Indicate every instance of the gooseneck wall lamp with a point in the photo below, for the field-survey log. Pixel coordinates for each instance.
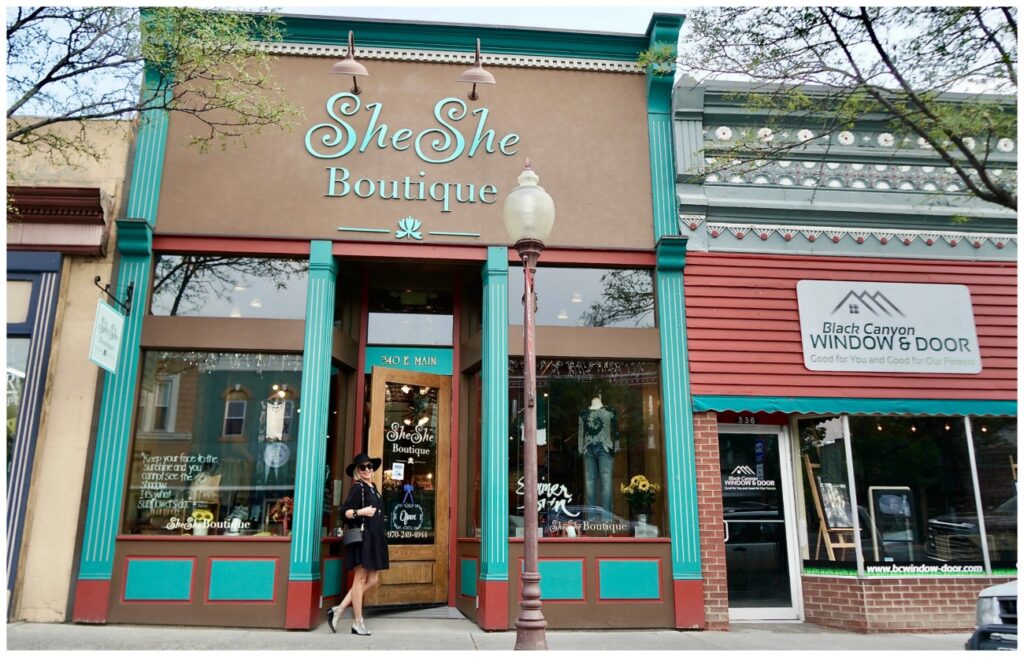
(529, 216)
(476, 74)
(349, 65)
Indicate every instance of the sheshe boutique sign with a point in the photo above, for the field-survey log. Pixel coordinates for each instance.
(457, 133)
(856, 326)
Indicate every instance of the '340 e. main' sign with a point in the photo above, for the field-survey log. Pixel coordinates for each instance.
(438, 144)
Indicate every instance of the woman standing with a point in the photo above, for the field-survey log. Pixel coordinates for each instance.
(363, 508)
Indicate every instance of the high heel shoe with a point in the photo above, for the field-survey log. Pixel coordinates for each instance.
(360, 629)
(330, 620)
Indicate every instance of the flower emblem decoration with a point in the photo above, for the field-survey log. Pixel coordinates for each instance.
(723, 133)
(409, 227)
(885, 140)
(846, 138)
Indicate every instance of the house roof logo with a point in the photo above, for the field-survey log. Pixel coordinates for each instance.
(876, 303)
(743, 470)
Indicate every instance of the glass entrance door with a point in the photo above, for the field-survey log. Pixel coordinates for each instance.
(409, 429)
(761, 562)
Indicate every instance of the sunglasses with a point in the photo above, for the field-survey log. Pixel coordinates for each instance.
(365, 466)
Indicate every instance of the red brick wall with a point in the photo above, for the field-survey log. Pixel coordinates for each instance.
(893, 605)
(709, 509)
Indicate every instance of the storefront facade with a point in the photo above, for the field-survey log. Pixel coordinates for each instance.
(347, 287)
(59, 225)
(852, 345)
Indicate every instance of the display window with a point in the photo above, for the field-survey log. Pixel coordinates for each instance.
(995, 451)
(17, 364)
(600, 456)
(198, 285)
(915, 493)
(621, 298)
(214, 451)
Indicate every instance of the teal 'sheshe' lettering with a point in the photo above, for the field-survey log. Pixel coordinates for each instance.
(435, 145)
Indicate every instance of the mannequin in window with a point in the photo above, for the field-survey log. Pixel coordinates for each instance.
(598, 433)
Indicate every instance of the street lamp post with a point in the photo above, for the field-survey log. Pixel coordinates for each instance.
(529, 215)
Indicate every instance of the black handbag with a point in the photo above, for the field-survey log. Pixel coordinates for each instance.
(353, 535)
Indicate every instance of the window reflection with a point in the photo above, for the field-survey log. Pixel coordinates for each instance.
(17, 360)
(214, 450)
(599, 449)
(586, 297)
(221, 286)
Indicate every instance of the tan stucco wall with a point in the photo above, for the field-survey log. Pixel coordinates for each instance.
(58, 474)
(584, 131)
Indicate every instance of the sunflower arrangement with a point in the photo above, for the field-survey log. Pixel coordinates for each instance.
(640, 492)
(282, 509)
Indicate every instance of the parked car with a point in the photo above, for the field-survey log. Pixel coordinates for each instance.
(957, 537)
(996, 619)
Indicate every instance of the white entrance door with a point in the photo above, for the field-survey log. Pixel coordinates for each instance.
(761, 547)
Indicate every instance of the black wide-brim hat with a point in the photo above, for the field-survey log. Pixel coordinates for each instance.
(359, 460)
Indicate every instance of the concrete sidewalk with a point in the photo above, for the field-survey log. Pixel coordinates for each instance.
(404, 633)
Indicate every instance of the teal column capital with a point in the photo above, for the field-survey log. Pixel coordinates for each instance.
(134, 237)
(311, 453)
(494, 417)
(321, 257)
(670, 253)
(663, 30)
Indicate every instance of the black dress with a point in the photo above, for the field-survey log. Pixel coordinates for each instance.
(372, 553)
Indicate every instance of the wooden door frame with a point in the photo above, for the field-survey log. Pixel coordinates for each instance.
(442, 544)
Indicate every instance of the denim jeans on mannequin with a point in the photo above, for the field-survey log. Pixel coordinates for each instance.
(597, 472)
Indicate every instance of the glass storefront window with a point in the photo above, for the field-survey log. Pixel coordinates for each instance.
(995, 452)
(828, 506)
(17, 361)
(410, 317)
(222, 286)
(586, 297)
(214, 447)
(600, 453)
(914, 492)
(914, 481)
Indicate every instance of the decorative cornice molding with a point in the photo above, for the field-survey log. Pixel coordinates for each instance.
(857, 235)
(452, 57)
(58, 205)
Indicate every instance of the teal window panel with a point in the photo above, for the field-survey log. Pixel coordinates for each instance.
(623, 579)
(467, 586)
(332, 577)
(561, 579)
(159, 579)
(244, 579)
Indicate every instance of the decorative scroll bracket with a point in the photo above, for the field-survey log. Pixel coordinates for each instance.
(127, 304)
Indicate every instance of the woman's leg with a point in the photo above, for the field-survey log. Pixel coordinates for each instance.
(358, 587)
(347, 600)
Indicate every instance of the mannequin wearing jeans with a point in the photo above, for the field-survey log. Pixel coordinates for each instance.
(598, 432)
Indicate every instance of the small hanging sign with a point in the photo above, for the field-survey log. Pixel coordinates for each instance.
(106, 337)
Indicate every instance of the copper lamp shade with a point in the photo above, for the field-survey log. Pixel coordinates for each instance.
(349, 66)
(476, 75)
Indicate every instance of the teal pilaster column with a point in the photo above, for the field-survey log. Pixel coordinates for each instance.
(677, 409)
(494, 418)
(663, 30)
(117, 406)
(311, 452)
(680, 458)
(113, 434)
